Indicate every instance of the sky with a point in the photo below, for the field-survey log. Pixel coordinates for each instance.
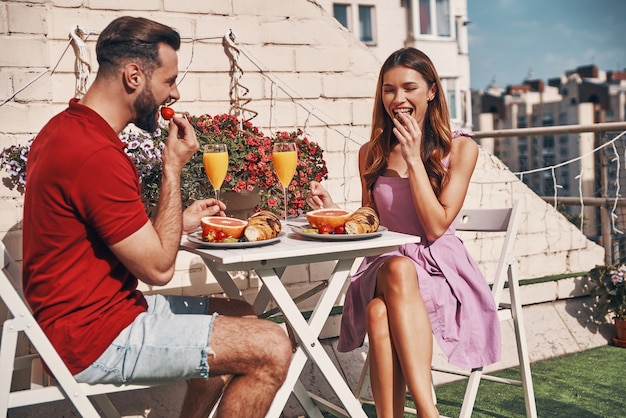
(510, 39)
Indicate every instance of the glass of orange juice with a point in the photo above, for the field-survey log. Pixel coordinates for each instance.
(285, 158)
(215, 159)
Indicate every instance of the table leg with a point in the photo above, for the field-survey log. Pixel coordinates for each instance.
(227, 284)
(308, 334)
(225, 281)
(263, 298)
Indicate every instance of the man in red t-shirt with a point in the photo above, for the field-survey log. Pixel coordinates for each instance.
(87, 242)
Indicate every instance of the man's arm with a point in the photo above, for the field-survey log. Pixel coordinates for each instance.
(150, 252)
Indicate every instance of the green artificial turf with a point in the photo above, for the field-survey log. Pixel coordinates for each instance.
(589, 384)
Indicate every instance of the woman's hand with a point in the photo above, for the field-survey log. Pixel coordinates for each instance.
(319, 197)
(199, 209)
(407, 131)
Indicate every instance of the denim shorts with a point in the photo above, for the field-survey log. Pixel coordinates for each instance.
(168, 342)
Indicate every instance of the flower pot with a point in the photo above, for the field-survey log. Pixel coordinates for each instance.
(240, 204)
(620, 333)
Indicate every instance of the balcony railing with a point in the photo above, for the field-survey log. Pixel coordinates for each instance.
(611, 238)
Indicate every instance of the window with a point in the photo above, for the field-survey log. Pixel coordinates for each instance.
(523, 165)
(366, 24)
(547, 119)
(534, 120)
(342, 13)
(450, 87)
(434, 17)
(347, 15)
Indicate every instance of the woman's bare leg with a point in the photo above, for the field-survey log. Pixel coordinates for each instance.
(385, 375)
(410, 329)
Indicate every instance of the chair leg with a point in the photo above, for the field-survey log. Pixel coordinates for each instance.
(364, 379)
(470, 393)
(104, 403)
(7, 358)
(522, 348)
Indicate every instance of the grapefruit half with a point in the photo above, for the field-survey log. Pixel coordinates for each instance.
(332, 217)
(232, 227)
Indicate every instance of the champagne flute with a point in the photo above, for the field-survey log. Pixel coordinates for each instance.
(285, 158)
(215, 159)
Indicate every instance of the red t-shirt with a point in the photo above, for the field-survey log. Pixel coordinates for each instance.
(82, 195)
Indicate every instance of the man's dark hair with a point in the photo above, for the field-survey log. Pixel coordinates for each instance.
(133, 38)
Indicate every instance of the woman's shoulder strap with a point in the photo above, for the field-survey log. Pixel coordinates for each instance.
(460, 132)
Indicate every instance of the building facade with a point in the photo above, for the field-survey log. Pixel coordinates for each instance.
(439, 28)
(583, 96)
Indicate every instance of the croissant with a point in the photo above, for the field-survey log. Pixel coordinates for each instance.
(363, 221)
(262, 225)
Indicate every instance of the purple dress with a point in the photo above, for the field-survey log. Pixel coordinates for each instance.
(462, 311)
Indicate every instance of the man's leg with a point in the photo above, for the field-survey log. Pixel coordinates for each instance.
(202, 394)
(257, 354)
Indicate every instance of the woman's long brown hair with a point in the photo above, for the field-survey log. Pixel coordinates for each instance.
(437, 135)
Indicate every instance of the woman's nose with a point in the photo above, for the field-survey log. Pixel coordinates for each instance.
(399, 97)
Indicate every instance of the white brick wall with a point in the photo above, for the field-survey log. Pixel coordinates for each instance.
(297, 46)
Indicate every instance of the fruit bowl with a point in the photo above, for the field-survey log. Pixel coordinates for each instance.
(332, 217)
(232, 227)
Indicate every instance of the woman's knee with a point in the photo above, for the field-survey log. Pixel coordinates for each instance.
(376, 316)
(398, 274)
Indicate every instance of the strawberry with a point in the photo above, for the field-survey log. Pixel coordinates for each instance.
(167, 113)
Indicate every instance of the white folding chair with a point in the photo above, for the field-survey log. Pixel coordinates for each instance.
(483, 221)
(42, 388)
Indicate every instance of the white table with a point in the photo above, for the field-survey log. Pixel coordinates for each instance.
(269, 262)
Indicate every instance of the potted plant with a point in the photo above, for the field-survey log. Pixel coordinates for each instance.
(610, 292)
(250, 172)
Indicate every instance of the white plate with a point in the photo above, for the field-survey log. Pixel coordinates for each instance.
(299, 229)
(196, 237)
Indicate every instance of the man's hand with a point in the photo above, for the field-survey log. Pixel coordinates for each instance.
(180, 146)
(199, 209)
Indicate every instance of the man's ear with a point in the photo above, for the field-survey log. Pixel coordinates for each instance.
(133, 76)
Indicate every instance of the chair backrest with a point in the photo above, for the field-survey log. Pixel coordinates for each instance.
(495, 220)
(64, 386)
(12, 268)
(22, 320)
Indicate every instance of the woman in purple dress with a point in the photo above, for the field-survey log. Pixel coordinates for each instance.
(415, 173)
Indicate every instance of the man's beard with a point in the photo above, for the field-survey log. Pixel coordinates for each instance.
(146, 109)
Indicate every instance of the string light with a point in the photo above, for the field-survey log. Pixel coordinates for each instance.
(617, 188)
(238, 92)
(579, 177)
(82, 67)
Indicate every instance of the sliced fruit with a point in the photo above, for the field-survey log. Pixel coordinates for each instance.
(216, 225)
(330, 217)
